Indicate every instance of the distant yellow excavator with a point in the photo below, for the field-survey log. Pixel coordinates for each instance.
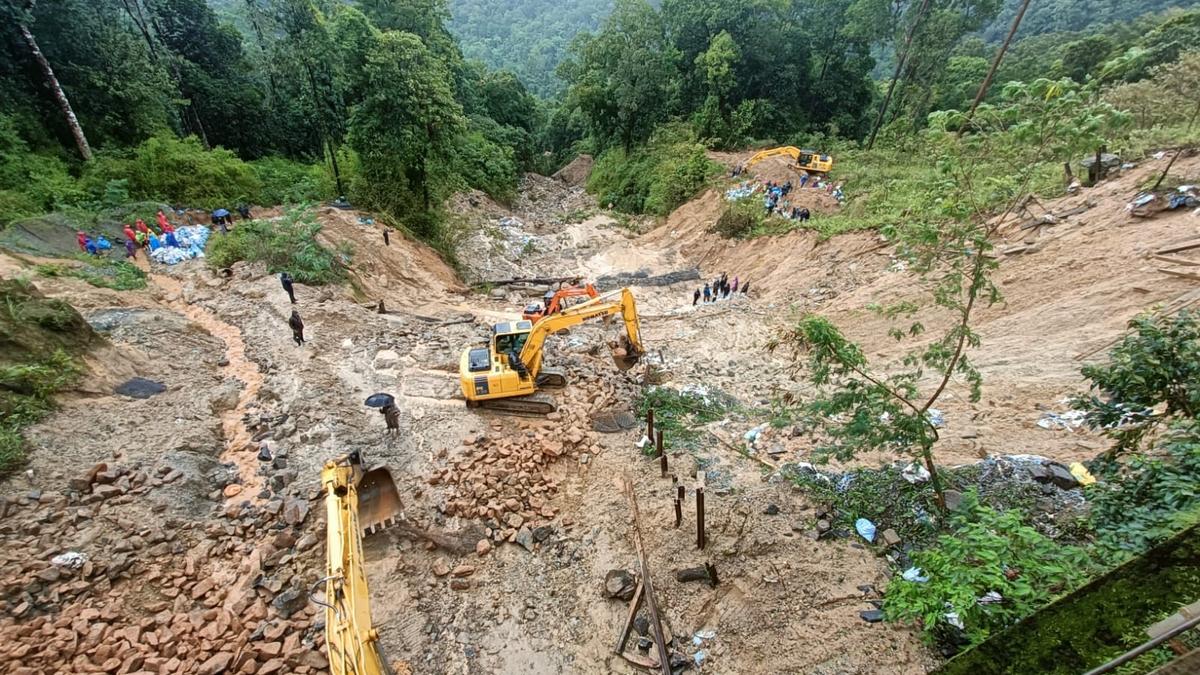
(506, 374)
(355, 503)
(808, 160)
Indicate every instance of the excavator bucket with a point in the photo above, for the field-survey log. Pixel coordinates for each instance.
(625, 355)
(378, 501)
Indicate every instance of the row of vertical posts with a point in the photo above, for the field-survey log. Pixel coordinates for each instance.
(656, 436)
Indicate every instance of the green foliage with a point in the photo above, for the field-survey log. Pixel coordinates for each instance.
(656, 178)
(1152, 377)
(288, 244)
(404, 130)
(529, 37)
(171, 170)
(1143, 501)
(987, 552)
(26, 391)
(287, 182)
(118, 275)
(740, 219)
(679, 413)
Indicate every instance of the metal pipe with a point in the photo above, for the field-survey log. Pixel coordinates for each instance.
(1138, 651)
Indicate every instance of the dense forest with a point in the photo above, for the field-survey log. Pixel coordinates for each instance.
(271, 101)
(528, 37)
(111, 100)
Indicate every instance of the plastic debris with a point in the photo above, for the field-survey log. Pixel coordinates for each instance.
(752, 435)
(915, 574)
(1162, 154)
(953, 620)
(990, 598)
(866, 529)
(71, 560)
(936, 417)
(1070, 420)
(191, 238)
(1081, 474)
(706, 634)
(915, 473)
(699, 657)
(871, 615)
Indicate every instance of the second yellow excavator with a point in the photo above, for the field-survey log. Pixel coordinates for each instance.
(808, 160)
(507, 374)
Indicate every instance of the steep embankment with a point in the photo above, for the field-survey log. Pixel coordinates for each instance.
(1070, 286)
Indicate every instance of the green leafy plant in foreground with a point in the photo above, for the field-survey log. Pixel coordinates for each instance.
(992, 571)
(678, 413)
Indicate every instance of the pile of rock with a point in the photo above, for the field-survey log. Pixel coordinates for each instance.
(501, 479)
(97, 582)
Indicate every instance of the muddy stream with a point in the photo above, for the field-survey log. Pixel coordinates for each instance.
(239, 449)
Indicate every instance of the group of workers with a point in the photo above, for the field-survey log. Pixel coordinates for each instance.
(720, 288)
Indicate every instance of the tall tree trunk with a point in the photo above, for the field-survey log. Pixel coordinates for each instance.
(337, 174)
(987, 81)
(56, 90)
(887, 99)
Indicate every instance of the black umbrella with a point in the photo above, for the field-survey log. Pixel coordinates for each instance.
(380, 400)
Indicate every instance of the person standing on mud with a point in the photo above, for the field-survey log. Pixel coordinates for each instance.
(297, 325)
(695, 297)
(391, 415)
(130, 249)
(707, 293)
(285, 280)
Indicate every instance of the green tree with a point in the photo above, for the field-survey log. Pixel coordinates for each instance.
(624, 79)
(404, 129)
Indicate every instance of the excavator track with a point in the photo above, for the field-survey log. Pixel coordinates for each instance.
(552, 378)
(533, 405)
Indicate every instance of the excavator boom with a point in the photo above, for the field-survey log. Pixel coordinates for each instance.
(808, 160)
(350, 638)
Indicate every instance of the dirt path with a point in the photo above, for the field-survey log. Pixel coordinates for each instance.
(239, 448)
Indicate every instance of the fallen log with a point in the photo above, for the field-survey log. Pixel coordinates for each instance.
(664, 657)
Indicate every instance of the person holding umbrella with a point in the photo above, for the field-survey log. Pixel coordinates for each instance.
(387, 407)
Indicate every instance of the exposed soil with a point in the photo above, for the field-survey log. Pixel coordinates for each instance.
(200, 555)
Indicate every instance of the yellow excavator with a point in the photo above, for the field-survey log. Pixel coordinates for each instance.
(356, 502)
(507, 374)
(808, 160)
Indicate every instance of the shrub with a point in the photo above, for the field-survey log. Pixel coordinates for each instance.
(988, 552)
(1146, 500)
(25, 397)
(656, 178)
(118, 275)
(168, 169)
(740, 219)
(286, 182)
(285, 244)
